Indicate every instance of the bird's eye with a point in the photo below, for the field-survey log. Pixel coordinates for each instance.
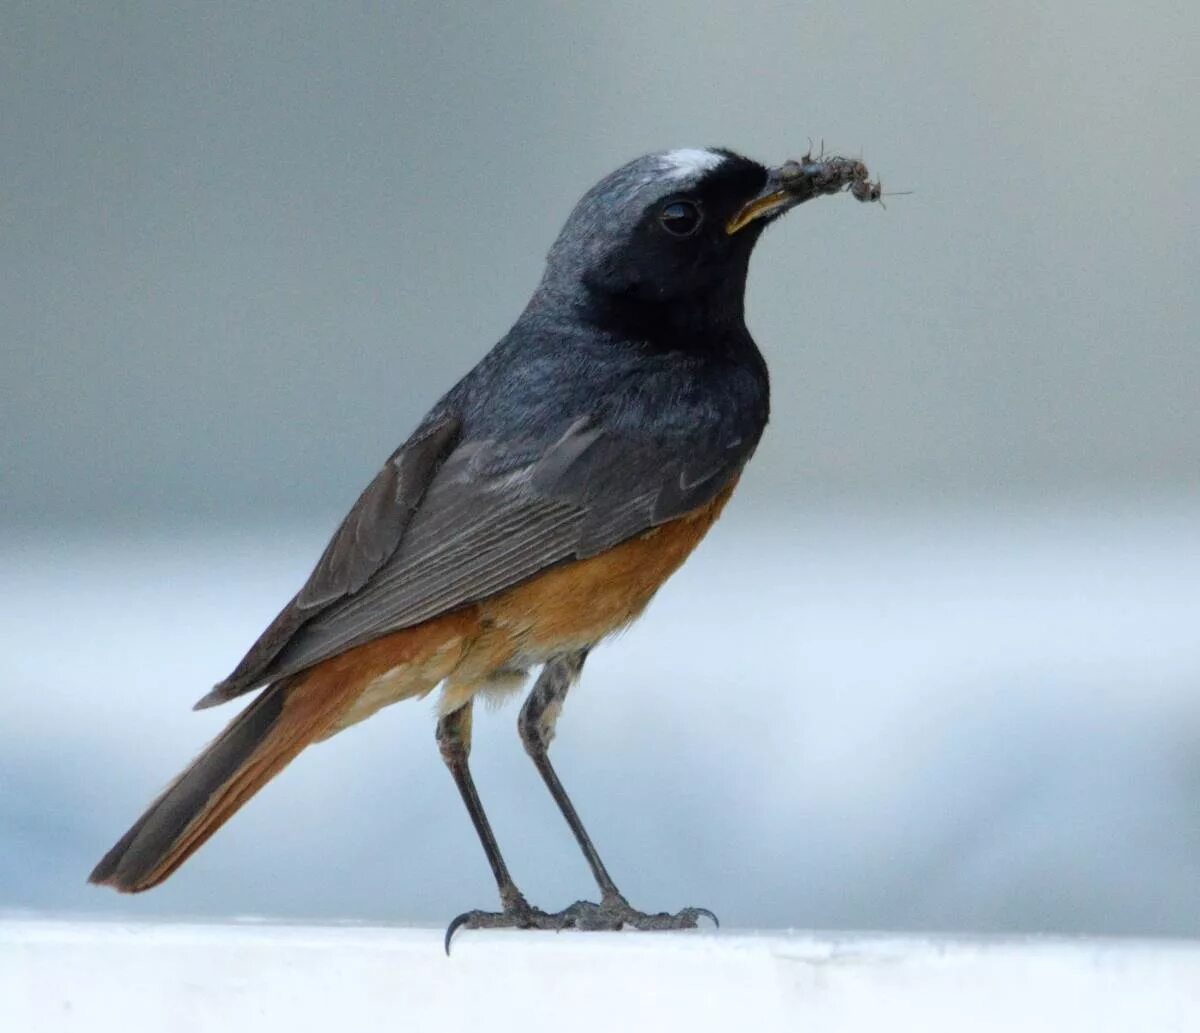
(681, 218)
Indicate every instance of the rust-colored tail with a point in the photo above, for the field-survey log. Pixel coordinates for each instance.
(256, 746)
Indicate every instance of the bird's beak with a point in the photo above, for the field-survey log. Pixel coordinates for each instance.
(773, 199)
(795, 182)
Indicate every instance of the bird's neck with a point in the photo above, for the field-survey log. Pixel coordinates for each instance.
(709, 322)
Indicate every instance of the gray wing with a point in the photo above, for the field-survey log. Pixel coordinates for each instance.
(493, 515)
(365, 540)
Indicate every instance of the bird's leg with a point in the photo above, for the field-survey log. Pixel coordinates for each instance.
(536, 724)
(454, 741)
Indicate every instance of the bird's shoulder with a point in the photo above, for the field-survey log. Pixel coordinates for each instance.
(544, 377)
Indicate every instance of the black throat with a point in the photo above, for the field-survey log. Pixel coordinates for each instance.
(710, 320)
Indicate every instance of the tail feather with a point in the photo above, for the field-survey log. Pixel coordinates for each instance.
(255, 747)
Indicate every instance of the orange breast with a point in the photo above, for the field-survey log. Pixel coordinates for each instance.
(578, 603)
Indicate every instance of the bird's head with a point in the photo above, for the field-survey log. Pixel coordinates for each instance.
(672, 229)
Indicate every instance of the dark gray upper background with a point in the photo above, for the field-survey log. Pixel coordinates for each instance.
(243, 251)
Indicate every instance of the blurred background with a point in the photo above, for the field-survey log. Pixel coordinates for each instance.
(937, 667)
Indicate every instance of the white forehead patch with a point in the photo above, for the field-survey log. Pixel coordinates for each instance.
(690, 162)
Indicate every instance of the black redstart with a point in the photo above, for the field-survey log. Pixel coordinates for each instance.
(536, 509)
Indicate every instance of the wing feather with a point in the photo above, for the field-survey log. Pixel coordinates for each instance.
(363, 542)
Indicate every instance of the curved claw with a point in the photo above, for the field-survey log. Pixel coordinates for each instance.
(454, 927)
(697, 911)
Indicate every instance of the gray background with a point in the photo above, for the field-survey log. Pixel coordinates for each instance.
(243, 249)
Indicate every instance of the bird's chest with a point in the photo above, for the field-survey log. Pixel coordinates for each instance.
(576, 604)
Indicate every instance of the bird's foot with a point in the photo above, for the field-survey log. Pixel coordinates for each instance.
(612, 913)
(517, 914)
(615, 912)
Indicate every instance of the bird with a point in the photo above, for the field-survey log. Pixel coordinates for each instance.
(534, 511)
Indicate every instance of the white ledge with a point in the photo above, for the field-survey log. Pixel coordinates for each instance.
(99, 976)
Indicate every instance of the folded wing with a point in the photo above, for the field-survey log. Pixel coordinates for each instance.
(447, 523)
